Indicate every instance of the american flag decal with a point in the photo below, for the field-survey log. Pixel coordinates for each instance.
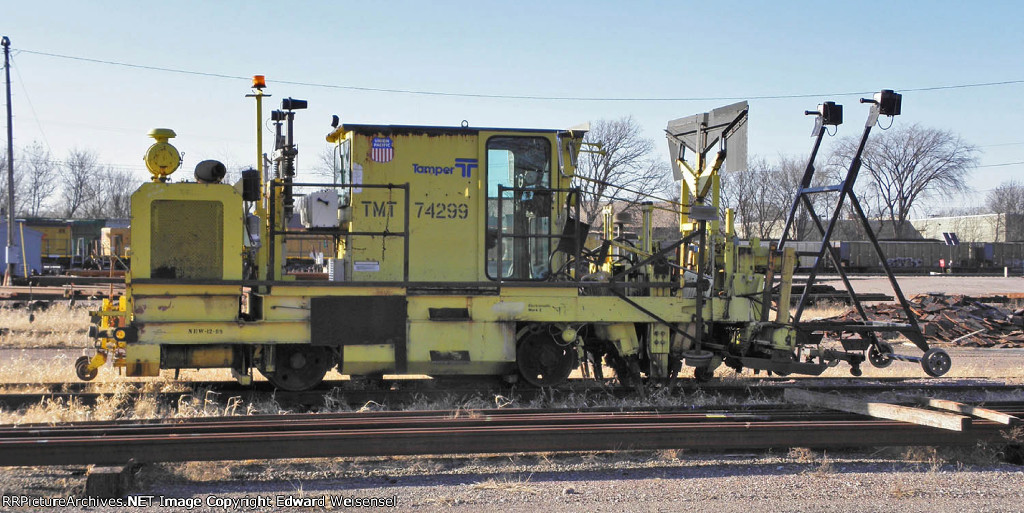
(381, 149)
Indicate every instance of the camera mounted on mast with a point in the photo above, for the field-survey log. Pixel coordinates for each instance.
(285, 150)
(886, 103)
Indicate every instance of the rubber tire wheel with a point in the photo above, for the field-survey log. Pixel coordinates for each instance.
(82, 369)
(878, 355)
(936, 362)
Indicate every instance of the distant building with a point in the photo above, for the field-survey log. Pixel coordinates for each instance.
(979, 228)
(28, 243)
(974, 228)
(664, 219)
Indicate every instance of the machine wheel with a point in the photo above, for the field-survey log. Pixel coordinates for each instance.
(543, 362)
(879, 354)
(936, 362)
(299, 367)
(82, 369)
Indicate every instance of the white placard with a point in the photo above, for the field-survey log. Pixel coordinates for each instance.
(366, 267)
(357, 178)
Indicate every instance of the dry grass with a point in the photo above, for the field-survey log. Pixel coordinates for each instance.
(933, 459)
(821, 466)
(670, 454)
(23, 367)
(1014, 435)
(199, 471)
(904, 488)
(802, 455)
(822, 310)
(60, 325)
(194, 471)
(923, 455)
(139, 401)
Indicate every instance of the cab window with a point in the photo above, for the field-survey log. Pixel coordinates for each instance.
(525, 164)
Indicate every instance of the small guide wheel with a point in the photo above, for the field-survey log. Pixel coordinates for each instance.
(936, 362)
(879, 354)
(82, 369)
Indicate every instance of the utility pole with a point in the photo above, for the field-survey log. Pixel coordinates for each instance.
(12, 253)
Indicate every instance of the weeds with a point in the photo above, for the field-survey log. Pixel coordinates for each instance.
(801, 455)
(824, 466)
(58, 325)
(904, 488)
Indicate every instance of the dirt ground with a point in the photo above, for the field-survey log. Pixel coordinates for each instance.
(882, 479)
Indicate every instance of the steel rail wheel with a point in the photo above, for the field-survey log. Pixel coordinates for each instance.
(299, 367)
(544, 362)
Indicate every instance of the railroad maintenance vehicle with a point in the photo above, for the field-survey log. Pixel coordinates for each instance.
(458, 251)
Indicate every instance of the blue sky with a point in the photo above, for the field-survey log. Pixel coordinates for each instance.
(680, 49)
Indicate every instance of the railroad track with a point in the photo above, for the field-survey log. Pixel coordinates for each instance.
(400, 392)
(466, 432)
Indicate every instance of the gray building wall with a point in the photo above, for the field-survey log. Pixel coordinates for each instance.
(33, 242)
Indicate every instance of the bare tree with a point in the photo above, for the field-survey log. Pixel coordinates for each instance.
(41, 180)
(19, 186)
(110, 194)
(1007, 198)
(78, 175)
(910, 163)
(789, 173)
(834, 170)
(326, 163)
(625, 160)
(3, 183)
(120, 187)
(760, 196)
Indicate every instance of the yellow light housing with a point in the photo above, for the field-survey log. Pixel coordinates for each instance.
(259, 81)
(161, 158)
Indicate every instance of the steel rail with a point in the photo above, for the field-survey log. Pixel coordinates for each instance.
(533, 432)
(319, 422)
(426, 419)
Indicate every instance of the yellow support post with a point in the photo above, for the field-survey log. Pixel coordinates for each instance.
(786, 287)
(258, 83)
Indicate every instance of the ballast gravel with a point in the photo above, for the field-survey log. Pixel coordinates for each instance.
(905, 480)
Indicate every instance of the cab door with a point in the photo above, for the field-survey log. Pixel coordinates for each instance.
(519, 205)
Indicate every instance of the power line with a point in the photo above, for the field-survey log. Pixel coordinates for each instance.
(512, 96)
(1001, 144)
(1003, 164)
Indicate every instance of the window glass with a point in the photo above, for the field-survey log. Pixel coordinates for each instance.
(523, 163)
